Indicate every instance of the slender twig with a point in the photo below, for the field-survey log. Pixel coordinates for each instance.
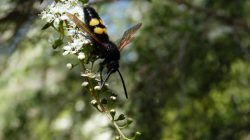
(213, 13)
(103, 109)
(102, 1)
(119, 130)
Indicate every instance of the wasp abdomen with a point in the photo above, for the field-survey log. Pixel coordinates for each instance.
(95, 23)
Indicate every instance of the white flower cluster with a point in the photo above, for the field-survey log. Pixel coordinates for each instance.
(75, 46)
(56, 12)
(89, 74)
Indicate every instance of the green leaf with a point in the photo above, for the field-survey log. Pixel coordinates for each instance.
(83, 1)
(129, 121)
(121, 117)
(60, 28)
(57, 43)
(47, 25)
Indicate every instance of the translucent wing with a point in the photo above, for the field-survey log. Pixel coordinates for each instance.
(84, 27)
(128, 36)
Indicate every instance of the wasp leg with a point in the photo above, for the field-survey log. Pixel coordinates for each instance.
(101, 67)
(106, 78)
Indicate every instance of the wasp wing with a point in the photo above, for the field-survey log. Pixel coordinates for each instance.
(128, 36)
(84, 27)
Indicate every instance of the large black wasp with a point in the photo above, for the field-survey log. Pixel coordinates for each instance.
(103, 47)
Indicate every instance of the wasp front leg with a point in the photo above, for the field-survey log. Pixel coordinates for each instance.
(101, 67)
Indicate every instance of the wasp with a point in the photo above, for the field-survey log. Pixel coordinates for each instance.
(103, 46)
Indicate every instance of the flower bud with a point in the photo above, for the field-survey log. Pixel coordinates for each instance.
(138, 133)
(113, 98)
(112, 113)
(94, 102)
(106, 84)
(81, 56)
(97, 88)
(84, 84)
(69, 66)
(117, 138)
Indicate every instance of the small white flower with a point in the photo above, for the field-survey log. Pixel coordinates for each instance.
(72, 32)
(72, 47)
(106, 84)
(69, 66)
(84, 74)
(97, 88)
(85, 84)
(65, 52)
(92, 75)
(86, 41)
(64, 17)
(56, 22)
(98, 79)
(67, 49)
(93, 102)
(88, 74)
(81, 56)
(113, 98)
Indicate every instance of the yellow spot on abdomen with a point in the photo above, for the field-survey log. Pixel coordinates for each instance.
(105, 31)
(101, 22)
(99, 30)
(94, 22)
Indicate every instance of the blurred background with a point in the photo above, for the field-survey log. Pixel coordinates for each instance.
(187, 72)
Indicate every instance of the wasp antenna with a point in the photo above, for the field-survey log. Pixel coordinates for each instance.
(106, 78)
(123, 83)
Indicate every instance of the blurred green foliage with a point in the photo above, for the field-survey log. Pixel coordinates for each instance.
(191, 79)
(194, 69)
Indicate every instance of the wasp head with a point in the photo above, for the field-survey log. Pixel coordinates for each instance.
(113, 66)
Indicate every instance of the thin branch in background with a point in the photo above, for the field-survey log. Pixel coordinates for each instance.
(11, 46)
(234, 22)
(103, 1)
(23, 16)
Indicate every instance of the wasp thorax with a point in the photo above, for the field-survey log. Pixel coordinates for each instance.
(112, 52)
